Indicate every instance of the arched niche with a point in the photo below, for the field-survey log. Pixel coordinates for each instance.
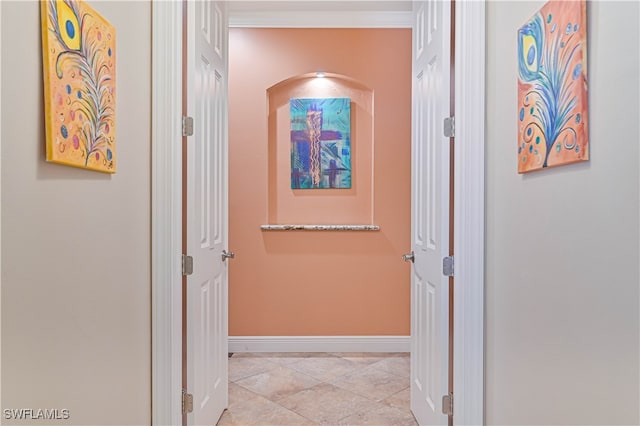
(320, 206)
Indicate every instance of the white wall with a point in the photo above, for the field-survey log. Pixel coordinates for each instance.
(562, 253)
(76, 244)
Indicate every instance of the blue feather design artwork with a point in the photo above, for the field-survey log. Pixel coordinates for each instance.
(552, 87)
(79, 76)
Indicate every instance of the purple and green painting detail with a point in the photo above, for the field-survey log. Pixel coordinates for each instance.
(552, 87)
(320, 143)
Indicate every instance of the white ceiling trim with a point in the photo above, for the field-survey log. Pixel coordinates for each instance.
(319, 19)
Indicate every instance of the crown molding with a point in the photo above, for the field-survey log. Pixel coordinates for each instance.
(320, 19)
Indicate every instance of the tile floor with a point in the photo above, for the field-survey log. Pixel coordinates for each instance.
(269, 389)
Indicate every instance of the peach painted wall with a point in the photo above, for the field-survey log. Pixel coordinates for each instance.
(319, 283)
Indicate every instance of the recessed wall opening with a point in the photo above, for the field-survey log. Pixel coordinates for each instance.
(355, 204)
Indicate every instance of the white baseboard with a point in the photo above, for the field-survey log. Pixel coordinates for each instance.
(319, 343)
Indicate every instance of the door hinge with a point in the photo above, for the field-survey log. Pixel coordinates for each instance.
(447, 404)
(187, 126)
(187, 402)
(447, 266)
(187, 265)
(449, 127)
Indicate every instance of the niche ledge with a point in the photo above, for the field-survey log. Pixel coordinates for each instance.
(318, 227)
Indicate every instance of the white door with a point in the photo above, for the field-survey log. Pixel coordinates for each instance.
(430, 211)
(207, 222)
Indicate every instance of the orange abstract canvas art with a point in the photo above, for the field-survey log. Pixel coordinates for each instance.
(79, 61)
(552, 87)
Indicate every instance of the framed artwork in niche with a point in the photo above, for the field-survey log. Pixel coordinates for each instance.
(320, 143)
(552, 87)
(79, 61)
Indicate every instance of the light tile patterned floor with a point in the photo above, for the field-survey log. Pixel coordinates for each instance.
(269, 389)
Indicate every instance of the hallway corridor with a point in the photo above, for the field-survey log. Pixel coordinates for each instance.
(318, 389)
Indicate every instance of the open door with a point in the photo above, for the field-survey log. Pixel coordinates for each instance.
(430, 212)
(207, 210)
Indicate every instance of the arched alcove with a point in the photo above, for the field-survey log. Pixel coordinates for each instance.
(329, 205)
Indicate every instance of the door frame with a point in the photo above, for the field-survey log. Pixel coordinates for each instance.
(469, 210)
(0, 187)
(166, 213)
(166, 195)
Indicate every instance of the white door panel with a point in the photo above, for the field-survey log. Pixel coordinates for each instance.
(207, 287)
(430, 211)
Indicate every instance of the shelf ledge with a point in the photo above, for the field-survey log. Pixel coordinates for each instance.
(291, 227)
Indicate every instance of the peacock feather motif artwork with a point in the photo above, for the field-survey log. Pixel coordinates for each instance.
(79, 80)
(552, 87)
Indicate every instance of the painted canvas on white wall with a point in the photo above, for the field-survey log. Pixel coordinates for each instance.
(552, 87)
(79, 58)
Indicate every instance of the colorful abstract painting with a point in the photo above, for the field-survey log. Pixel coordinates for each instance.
(320, 143)
(552, 87)
(79, 60)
